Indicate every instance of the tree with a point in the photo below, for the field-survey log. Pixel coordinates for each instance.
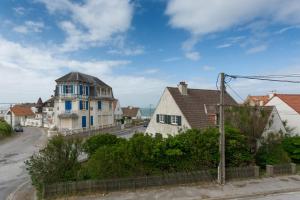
(292, 146)
(5, 129)
(57, 162)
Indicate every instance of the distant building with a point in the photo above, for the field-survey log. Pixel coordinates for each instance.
(48, 113)
(131, 113)
(257, 100)
(19, 115)
(181, 108)
(118, 113)
(288, 106)
(82, 101)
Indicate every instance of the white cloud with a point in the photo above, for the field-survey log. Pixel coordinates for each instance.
(208, 68)
(19, 10)
(29, 26)
(172, 59)
(222, 46)
(202, 17)
(192, 55)
(257, 49)
(29, 72)
(151, 71)
(93, 22)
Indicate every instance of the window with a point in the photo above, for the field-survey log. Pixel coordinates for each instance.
(92, 120)
(69, 89)
(103, 91)
(161, 118)
(68, 105)
(110, 106)
(83, 90)
(99, 105)
(83, 105)
(174, 119)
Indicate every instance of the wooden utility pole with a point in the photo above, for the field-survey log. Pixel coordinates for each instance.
(221, 168)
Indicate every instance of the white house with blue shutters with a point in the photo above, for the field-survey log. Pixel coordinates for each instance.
(82, 102)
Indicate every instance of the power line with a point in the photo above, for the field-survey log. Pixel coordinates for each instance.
(235, 92)
(261, 78)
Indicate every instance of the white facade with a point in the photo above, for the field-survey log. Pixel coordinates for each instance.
(118, 113)
(287, 114)
(167, 106)
(274, 124)
(138, 115)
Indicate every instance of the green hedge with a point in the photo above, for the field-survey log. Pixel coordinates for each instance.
(292, 146)
(5, 129)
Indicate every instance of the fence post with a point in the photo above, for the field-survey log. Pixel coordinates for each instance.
(270, 170)
(256, 171)
(294, 168)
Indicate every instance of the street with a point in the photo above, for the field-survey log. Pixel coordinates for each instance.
(13, 152)
(129, 132)
(284, 196)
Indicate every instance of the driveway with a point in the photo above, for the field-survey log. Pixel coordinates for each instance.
(13, 152)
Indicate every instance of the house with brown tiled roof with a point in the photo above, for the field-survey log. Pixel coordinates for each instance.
(288, 106)
(19, 114)
(131, 112)
(257, 100)
(181, 108)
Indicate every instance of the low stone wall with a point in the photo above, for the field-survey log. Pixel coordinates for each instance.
(282, 169)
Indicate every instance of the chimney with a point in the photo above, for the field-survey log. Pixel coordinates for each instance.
(272, 94)
(183, 88)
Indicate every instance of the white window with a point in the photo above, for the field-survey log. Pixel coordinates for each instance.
(174, 119)
(161, 118)
(69, 89)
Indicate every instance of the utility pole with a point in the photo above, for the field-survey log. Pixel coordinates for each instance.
(221, 168)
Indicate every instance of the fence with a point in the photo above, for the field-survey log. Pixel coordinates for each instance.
(282, 169)
(242, 172)
(92, 186)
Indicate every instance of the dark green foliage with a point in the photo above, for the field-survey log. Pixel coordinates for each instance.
(271, 152)
(292, 146)
(5, 129)
(93, 143)
(57, 162)
(146, 155)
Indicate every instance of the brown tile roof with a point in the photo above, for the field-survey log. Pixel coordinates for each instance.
(293, 100)
(258, 99)
(21, 110)
(130, 111)
(193, 105)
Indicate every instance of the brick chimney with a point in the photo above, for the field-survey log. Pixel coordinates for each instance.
(182, 86)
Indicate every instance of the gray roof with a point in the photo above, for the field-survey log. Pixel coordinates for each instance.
(80, 77)
(193, 104)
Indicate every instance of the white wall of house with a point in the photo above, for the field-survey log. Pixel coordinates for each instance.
(286, 113)
(167, 106)
(275, 124)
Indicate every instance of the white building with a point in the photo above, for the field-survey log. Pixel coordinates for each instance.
(81, 102)
(131, 113)
(181, 108)
(288, 106)
(19, 115)
(118, 113)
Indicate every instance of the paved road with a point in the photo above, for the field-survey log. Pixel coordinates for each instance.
(285, 196)
(127, 133)
(13, 152)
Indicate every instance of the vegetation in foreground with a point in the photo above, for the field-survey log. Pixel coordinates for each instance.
(143, 155)
(5, 129)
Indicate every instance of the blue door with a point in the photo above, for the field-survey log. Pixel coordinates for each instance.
(68, 105)
(83, 119)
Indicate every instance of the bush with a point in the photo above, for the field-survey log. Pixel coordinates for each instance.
(145, 155)
(93, 143)
(292, 146)
(57, 162)
(271, 152)
(5, 129)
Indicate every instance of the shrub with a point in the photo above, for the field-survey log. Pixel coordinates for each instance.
(57, 162)
(5, 129)
(271, 152)
(93, 143)
(292, 146)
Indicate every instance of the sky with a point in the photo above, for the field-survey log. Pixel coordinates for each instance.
(139, 47)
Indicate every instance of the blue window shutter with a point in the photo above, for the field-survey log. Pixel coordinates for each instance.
(80, 89)
(157, 118)
(87, 105)
(72, 89)
(87, 90)
(80, 105)
(92, 120)
(68, 105)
